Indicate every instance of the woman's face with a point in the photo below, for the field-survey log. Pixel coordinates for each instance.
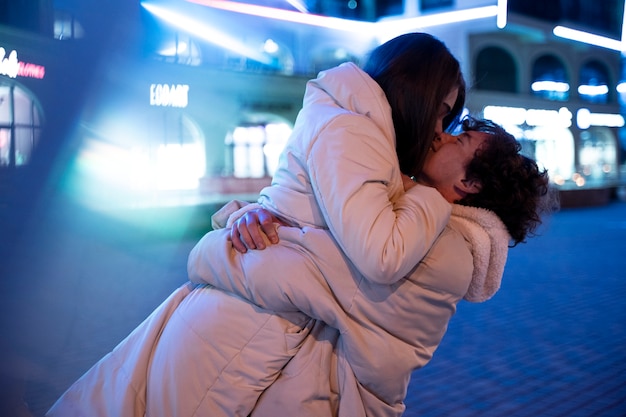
(446, 164)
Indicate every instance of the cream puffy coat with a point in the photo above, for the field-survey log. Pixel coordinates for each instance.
(351, 261)
(204, 352)
(339, 171)
(207, 353)
(384, 332)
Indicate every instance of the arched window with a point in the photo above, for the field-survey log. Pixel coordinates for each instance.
(549, 78)
(134, 158)
(175, 151)
(594, 82)
(20, 124)
(495, 70)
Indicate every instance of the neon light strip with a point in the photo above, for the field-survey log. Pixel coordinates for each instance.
(351, 25)
(404, 24)
(437, 19)
(624, 25)
(206, 32)
(502, 10)
(287, 15)
(585, 37)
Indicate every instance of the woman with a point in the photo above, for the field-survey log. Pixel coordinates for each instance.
(358, 130)
(406, 321)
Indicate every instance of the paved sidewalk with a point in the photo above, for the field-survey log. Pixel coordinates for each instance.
(551, 343)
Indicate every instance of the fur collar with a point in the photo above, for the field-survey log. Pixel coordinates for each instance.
(489, 242)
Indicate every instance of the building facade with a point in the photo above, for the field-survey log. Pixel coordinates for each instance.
(184, 102)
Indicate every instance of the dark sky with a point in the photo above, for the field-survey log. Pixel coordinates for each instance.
(603, 17)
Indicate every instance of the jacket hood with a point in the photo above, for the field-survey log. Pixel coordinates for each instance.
(355, 91)
(489, 243)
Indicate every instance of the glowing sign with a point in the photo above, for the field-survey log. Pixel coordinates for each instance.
(593, 90)
(382, 29)
(586, 119)
(175, 95)
(531, 117)
(11, 67)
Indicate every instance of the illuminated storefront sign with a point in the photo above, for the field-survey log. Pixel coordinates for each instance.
(165, 95)
(531, 117)
(560, 118)
(585, 119)
(11, 67)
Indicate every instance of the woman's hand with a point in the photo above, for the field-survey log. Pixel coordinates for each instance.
(254, 229)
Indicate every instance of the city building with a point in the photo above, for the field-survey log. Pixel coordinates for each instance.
(178, 102)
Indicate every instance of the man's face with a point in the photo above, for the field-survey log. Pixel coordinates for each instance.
(446, 164)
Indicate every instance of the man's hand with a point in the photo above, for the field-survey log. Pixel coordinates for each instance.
(408, 182)
(253, 230)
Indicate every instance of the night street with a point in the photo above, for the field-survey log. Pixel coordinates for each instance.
(550, 343)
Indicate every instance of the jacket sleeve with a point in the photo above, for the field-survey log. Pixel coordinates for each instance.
(352, 171)
(235, 208)
(252, 275)
(273, 278)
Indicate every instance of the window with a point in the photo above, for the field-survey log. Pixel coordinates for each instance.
(598, 154)
(594, 82)
(553, 148)
(495, 70)
(178, 48)
(20, 125)
(549, 78)
(255, 148)
(173, 152)
(66, 26)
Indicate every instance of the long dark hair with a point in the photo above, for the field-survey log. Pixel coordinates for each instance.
(416, 71)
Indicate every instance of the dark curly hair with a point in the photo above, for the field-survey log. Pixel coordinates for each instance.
(512, 185)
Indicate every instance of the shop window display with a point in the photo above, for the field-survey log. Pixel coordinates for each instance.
(20, 125)
(553, 148)
(598, 156)
(136, 159)
(545, 136)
